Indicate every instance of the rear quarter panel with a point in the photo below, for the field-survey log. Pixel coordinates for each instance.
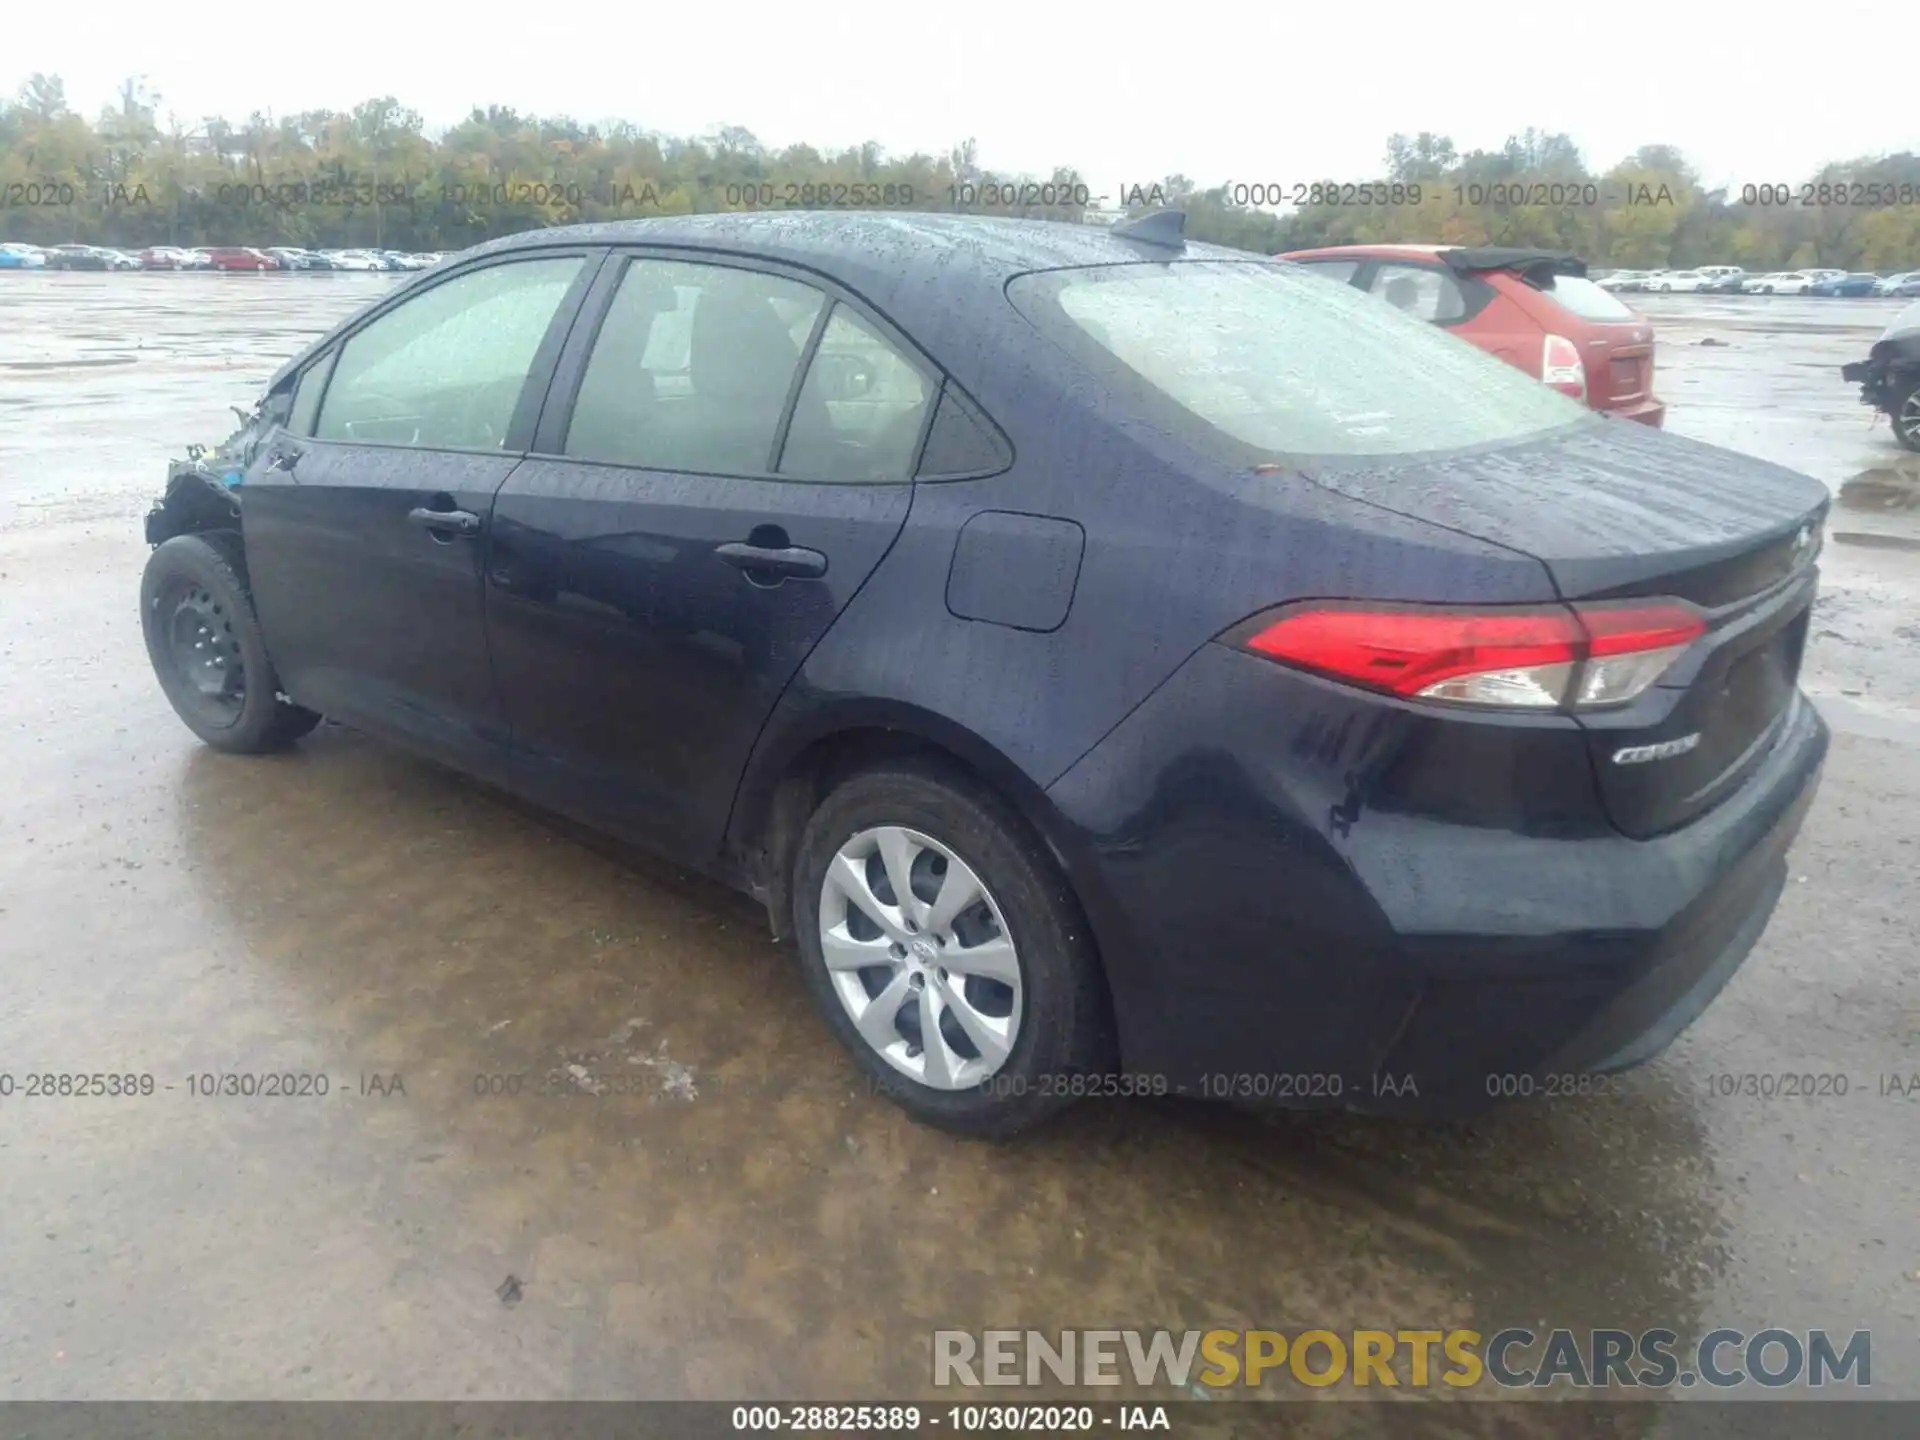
(1506, 328)
(1177, 549)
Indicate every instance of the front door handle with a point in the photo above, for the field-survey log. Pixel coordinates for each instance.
(464, 522)
(778, 562)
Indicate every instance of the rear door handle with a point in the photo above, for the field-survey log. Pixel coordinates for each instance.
(780, 561)
(463, 521)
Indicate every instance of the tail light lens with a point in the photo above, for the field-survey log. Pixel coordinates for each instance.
(1579, 656)
(1560, 366)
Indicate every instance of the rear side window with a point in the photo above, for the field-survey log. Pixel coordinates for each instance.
(692, 369)
(1422, 291)
(1264, 363)
(961, 441)
(861, 408)
(1585, 299)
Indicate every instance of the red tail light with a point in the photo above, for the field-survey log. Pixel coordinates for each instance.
(1562, 368)
(1514, 658)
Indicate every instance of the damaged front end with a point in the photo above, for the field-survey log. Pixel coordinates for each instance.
(203, 490)
(1889, 378)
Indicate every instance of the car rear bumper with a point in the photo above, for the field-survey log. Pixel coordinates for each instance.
(1284, 919)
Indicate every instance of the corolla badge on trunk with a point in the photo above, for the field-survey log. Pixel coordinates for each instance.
(1665, 750)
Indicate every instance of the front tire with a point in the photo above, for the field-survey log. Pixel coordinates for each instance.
(1905, 411)
(976, 1002)
(206, 647)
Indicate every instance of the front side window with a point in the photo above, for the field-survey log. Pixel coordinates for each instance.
(444, 370)
(307, 391)
(692, 369)
(861, 408)
(1263, 363)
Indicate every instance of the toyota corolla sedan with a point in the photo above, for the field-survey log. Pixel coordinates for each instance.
(1121, 665)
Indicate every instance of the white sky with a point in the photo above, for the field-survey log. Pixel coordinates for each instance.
(1220, 93)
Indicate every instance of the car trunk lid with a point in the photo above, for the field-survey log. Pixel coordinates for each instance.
(1617, 511)
(1615, 343)
(1619, 365)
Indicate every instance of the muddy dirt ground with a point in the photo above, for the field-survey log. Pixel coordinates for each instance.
(736, 1217)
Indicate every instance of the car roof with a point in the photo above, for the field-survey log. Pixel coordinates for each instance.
(1382, 249)
(899, 246)
(1522, 260)
(927, 272)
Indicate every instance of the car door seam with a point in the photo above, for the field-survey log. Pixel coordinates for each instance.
(766, 720)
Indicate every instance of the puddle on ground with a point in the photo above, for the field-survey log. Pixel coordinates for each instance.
(96, 364)
(1885, 487)
(1876, 542)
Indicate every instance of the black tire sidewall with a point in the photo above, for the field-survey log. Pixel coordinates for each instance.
(194, 558)
(1059, 1035)
(1903, 394)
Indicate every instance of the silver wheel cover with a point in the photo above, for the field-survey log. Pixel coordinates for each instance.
(920, 957)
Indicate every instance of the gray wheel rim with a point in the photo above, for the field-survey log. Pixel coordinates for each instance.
(1909, 417)
(920, 957)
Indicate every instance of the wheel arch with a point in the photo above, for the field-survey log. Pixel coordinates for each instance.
(797, 763)
(194, 504)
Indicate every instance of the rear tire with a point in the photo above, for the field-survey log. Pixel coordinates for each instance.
(206, 647)
(1043, 1032)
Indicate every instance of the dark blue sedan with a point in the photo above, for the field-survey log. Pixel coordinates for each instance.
(1860, 283)
(1123, 666)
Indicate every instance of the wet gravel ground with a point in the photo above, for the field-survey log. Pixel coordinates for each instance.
(731, 1215)
(1760, 374)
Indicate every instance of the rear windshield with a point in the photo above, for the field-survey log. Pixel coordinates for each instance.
(1268, 362)
(1586, 299)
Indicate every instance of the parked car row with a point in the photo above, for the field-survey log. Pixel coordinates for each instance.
(1732, 280)
(15, 256)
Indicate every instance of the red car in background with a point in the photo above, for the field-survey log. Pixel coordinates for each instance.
(235, 257)
(1535, 309)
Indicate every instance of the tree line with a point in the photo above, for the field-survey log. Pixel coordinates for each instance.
(374, 176)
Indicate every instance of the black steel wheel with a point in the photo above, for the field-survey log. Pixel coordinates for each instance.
(204, 642)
